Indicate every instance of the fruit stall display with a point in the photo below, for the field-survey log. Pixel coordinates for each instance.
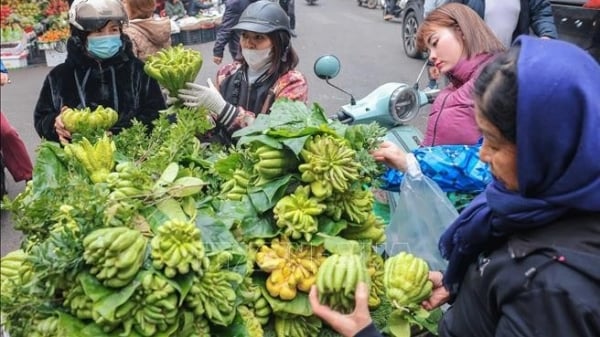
(153, 233)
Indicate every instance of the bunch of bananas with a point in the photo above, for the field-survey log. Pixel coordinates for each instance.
(329, 164)
(15, 272)
(292, 268)
(128, 180)
(373, 228)
(262, 310)
(236, 187)
(297, 213)
(173, 67)
(64, 220)
(116, 254)
(213, 294)
(297, 326)
(86, 119)
(406, 280)
(375, 268)
(251, 322)
(177, 248)
(79, 304)
(355, 205)
(97, 159)
(272, 163)
(252, 297)
(155, 306)
(46, 327)
(200, 328)
(337, 279)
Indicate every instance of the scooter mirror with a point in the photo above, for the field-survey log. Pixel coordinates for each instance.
(327, 67)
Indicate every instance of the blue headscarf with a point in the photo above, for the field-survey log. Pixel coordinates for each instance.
(558, 154)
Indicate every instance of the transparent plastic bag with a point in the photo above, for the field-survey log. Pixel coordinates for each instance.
(422, 214)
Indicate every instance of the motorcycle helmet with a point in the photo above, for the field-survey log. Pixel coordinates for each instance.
(91, 15)
(263, 17)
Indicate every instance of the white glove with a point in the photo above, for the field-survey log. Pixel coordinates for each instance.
(198, 95)
(209, 97)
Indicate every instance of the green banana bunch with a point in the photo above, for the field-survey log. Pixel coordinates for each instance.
(272, 163)
(200, 327)
(83, 120)
(372, 229)
(236, 187)
(115, 254)
(262, 310)
(158, 306)
(213, 294)
(406, 280)
(128, 180)
(355, 205)
(297, 213)
(15, 272)
(78, 302)
(375, 268)
(329, 164)
(45, 327)
(252, 324)
(97, 159)
(297, 326)
(64, 221)
(177, 248)
(173, 67)
(337, 279)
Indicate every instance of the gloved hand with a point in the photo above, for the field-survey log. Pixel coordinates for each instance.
(198, 95)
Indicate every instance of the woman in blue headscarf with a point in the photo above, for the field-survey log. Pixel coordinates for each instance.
(524, 256)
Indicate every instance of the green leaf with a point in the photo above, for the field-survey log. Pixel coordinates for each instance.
(225, 166)
(328, 227)
(264, 197)
(398, 324)
(258, 228)
(109, 304)
(237, 328)
(172, 209)
(154, 217)
(183, 284)
(169, 174)
(216, 236)
(267, 140)
(92, 287)
(49, 169)
(231, 212)
(295, 144)
(338, 245)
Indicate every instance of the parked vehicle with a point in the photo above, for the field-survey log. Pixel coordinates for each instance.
(371, 4)
(578, 25)
(410, 13)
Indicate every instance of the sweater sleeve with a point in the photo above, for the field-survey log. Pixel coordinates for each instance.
(230, 19)
(541, 19)
(46, 111)
(369, 331)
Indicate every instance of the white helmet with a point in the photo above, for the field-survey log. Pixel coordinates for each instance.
(91, 15)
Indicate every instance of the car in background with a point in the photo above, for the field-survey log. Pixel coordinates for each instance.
(410, 13)
(578, 25)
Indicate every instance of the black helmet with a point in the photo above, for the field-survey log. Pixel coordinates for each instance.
(91, 15)
(263, 17)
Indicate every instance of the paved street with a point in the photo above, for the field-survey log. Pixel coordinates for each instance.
(369, 48)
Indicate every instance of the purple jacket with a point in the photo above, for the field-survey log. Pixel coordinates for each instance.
(452, 117)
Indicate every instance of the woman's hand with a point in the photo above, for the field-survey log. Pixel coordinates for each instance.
(346, 325)
(4, 79)
(392, 155)
(64, 136)
(439, 294)
(217, 60)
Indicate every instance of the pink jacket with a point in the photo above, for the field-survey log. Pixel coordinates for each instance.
(452, 116)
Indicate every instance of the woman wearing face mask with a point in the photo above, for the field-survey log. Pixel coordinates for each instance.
(100, 69)
(250, 85)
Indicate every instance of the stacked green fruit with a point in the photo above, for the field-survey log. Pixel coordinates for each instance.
(46, 327)
(329, 165)
(236, 187)
(173, 67)
(157, 305)
(177, 248)
(97, 159)
(128, 180)
(297, 326)
(78, 302)
(15, 272)
(355, 205)
(200, 328)
(373, 228)
(375, 268)
(115, 254)
(297, 213)
(272, 163)
(262, 310)
(406, 280)
(83, 120)
(337, 279)
(250, 321)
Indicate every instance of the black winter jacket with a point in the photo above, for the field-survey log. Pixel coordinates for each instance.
(225, 33)
(82, 81)
(540, 283)
(536, 14)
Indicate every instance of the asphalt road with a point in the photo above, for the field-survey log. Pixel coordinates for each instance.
(369, 49)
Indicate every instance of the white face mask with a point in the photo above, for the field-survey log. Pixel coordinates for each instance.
(257, 58)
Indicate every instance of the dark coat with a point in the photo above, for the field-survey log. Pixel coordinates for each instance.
(82, 81)
(225, 33)
(544, 282)
(536, 14)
